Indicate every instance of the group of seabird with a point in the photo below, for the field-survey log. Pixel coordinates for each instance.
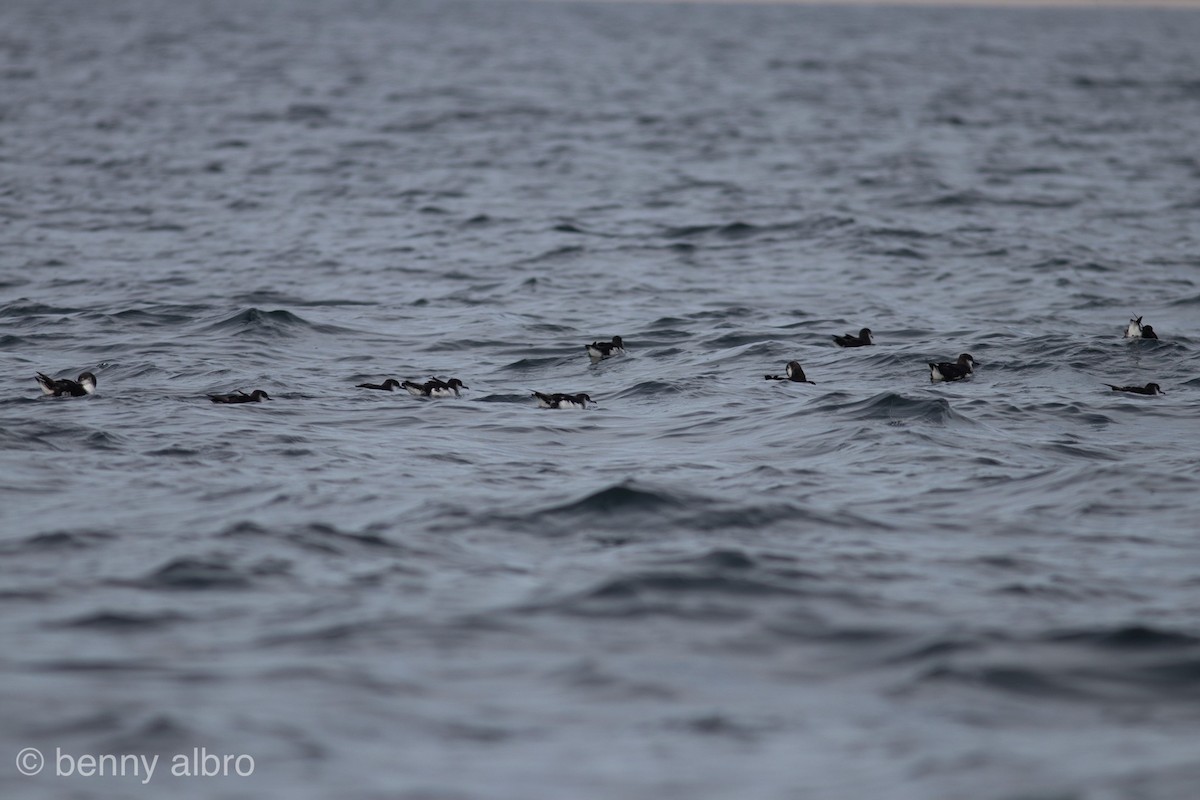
(964, 366)
(940, 371)
(436, 387)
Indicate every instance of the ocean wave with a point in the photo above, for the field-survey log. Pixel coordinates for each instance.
(124, 621)
(968, 198)
(554, 254)
(464, 118)
(315, 536)
(56, 541)
(57, 435)
(711, 586)
(1021, 680)
(277, 323)
(522, 397)
(264, 297)
(891, 406)
(1172, 344)
(540, 364)
(1128, 637)
(739, 230)
(619, 499)
(669, 582)
(168, 316)
(746, 342)
(196, 574)
(1116, 664)
(647, 389)
(25, 308)
(1082, 680)
(636, 507)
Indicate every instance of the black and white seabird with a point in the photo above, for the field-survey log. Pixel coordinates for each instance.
(562, 400)
(387, 386)
(1136, 330)
(256, 396)
(435, 388)
(946, 371)
(605, 349)
(65, 387)
(1149, 388)
(863, 339)
(795, 373)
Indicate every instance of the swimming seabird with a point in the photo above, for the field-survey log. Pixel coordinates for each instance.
(562, 400)
(387, 386)
(1149, 388)
(863, 339)
(65, 387)
(256, 396)
(605, 349)
(946, 371)
(1136, 330)
(795, 373)
(435, 388)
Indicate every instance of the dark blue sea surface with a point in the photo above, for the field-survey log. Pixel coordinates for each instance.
(708, 585)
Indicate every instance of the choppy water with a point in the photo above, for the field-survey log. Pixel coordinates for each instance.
(709, 585)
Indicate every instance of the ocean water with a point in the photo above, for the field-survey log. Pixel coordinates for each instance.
(706, 586)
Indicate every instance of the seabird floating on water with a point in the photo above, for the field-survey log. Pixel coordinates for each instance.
(863, 339)
(1149, 388)
(956, 371)
(605, 349)
(795, 373)
(435, 388)
(256, 396)
(387, 386)
(65, 387)
(560, 400)
(1136, 330)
